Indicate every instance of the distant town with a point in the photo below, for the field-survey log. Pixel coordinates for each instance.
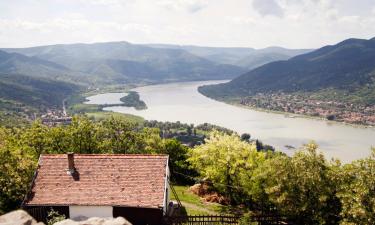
(301, 104)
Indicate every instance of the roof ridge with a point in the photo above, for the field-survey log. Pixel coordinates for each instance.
(107, 154)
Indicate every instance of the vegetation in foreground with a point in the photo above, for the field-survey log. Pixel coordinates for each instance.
(305, 187)
(194, 205)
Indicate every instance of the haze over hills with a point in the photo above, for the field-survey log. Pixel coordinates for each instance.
(31, 66)
(123, 62)
(33, 84)
(115, 62)
(248, 58)
(43, 76)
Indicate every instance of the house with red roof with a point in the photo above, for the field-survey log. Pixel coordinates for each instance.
(101, 185)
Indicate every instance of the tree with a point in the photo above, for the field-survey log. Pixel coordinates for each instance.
(35, 138)
(223, 159)
(178, 165)
(16, 170)
(58, 140)
(357, 191)
(301, 187)
(245, 137)
(82, 137)
(119, 136)
(153, 143)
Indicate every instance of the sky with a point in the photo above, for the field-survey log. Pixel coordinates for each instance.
(221, 23)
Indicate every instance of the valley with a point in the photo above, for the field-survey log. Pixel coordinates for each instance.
(182, 102)
(334, 82)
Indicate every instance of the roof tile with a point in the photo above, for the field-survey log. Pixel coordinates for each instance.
(116, 180)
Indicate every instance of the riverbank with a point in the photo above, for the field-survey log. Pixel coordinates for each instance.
(295, 115)
(240, 103)
(95, 100)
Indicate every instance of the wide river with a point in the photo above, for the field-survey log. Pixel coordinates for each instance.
(182, 102)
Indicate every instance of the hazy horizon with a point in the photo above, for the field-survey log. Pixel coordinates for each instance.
(242, 23)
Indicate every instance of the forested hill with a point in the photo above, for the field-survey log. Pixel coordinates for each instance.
(348, 66)
(21, 96)
(248, 58)
(32, 66)
(123, 62)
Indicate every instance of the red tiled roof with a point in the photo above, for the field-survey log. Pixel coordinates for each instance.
(116, 180)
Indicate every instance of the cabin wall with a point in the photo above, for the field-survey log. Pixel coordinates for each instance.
(167, 199)
(90, 211)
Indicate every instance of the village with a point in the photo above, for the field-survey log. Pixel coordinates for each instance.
(55, 117)
(304, 105)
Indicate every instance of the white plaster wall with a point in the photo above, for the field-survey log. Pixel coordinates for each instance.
(77, 212)
(167, 199)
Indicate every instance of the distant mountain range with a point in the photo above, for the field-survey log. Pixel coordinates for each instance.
(348, 66)
(122, 62)
(15, 63)
(248, 58)
(36, 78)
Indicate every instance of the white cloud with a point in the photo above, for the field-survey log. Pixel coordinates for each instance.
(268, 7)
(241, 20)
(252, 23)
(102, 2)
(191, 6)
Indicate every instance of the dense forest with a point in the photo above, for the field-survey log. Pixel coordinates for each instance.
(304, 187)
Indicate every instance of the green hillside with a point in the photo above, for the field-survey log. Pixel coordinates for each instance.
(21, 96)
(115, 62)
(248, 58)
(349, 65)
(330, 82)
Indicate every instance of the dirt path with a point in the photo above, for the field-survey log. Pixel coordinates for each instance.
(195, 207)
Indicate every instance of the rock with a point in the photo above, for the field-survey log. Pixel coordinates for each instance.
(96, 221)
(18, 217)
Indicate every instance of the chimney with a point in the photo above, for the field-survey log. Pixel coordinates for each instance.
(71, 168)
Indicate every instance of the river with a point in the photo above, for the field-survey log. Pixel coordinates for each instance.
(182, 102)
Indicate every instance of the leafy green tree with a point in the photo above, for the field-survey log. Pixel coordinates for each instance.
(82, 137)
(58, 140)
(357, 191)
(119, 136)
(245, 137)
(153, 143)
(178, 165)
(301, 187)
(16, 170)
(225, 159)
(35, 138)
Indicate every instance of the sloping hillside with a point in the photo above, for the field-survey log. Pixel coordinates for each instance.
(125, 62)
(349, 65)
(337, 82)
(248, 58)
(22, 96)
(15, 63)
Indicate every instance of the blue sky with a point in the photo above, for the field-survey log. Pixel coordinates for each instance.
(241, 23)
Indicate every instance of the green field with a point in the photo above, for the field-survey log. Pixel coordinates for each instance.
(98, 116)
